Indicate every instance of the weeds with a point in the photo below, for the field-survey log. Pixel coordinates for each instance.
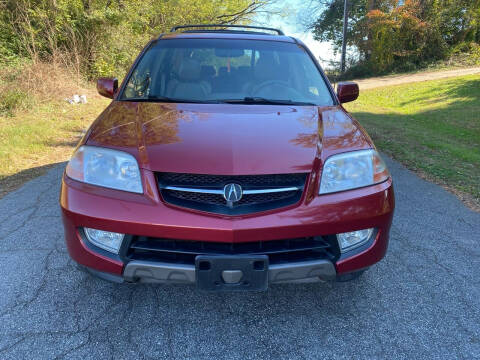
(37, 126)
(11, 100)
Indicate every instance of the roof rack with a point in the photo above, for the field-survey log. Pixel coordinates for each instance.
(224, 27)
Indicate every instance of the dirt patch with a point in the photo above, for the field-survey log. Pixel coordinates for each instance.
(377, 82)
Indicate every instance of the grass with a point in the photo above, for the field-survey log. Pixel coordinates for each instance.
(432, 127)
(38, 128)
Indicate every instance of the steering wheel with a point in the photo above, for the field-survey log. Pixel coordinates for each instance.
(271, 83)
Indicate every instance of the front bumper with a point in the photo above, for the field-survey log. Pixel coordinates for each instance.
(146, 215)
(165, 273)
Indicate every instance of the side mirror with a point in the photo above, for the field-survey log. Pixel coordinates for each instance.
(347, 91)
(107, 87)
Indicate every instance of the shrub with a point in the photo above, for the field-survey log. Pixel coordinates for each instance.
(25, 84)
(475, 54)
(12, 100)
(101, 37)
(401, 40)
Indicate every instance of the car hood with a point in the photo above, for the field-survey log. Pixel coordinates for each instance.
(226, 139)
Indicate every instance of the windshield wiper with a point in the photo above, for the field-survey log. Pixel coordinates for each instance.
(245, 100)
(166, 99)
(265, 101)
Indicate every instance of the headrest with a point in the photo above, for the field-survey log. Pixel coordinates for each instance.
(244, 70)
(223, 70)
(265, 68)
(189, 70)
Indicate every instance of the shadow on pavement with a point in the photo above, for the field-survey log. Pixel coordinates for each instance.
(13, 182)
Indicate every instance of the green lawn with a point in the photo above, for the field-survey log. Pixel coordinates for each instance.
(432, 127)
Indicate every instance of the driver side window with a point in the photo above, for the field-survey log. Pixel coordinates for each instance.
(140, 83)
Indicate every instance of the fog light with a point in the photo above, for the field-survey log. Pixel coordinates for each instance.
(351, 240)
(110, 241)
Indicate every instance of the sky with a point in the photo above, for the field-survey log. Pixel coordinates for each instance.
(295, 14)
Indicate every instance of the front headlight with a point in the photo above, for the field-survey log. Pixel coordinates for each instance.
(352, 170)
(105, 167)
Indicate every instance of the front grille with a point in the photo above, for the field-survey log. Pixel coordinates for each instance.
(211, 198)
(278, 251)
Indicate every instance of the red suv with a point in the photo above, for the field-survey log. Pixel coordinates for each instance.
(226, 160)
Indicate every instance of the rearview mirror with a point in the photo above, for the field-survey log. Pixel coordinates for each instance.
(347, 91)
(107, 87)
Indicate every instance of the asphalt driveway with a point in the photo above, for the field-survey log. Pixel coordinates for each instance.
(421, 301)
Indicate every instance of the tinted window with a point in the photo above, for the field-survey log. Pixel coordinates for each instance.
(211, 70)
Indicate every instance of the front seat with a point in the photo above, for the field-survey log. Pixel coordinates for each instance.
(188, 84)
(264, 70)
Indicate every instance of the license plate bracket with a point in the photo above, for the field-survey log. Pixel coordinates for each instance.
(231, 273)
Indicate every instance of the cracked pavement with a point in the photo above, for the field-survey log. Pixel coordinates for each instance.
(422, 301)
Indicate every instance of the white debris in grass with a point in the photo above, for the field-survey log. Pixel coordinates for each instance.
(77, 99)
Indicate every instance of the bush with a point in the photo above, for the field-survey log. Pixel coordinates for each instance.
(400, 40)
(395, 36)
(25, 84)
(475, 54)
(470, 50)
(101, 37)
(12, 100)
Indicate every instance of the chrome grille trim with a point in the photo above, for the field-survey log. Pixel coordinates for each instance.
(193, 190)
(220, 192)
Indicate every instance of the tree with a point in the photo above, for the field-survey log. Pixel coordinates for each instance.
(101, 37)
(328, 26)
(390, 34)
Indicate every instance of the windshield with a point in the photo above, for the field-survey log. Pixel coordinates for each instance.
(221, 70)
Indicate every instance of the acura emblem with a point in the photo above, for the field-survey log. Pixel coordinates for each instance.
(232, 193)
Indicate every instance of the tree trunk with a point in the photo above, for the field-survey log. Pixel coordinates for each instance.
(368, 49)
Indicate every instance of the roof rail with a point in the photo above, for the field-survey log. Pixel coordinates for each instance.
(175, 28)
